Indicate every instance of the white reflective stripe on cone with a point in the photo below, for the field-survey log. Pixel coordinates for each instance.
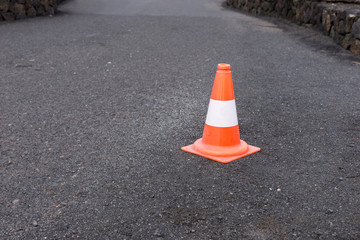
(222, 113)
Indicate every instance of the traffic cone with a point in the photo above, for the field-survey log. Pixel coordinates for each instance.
(221, 138)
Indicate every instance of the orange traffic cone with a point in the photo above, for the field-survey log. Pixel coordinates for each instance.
(221, 138)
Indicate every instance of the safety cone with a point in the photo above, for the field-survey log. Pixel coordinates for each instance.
(221, 137)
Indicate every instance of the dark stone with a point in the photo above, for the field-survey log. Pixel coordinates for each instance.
(346, 41)
(53, 3)
(36, 3)
(314, 8)
(8, 16)
(4, 5)
(341, 27)
(31, 12)
(355, 29)
(355, 46)
(272, 6)
(293, 9)
(51, 11)
(332, 32)
(342, 15)
(20, 1)
(19, 10)
(28, 4)
(46, 5)
(257, 3)
(284, 12)
(250, 5)
(313, 13)
(317, 19)
(307, 16)
(258, 10)
(265, 6)
(282, 7)
(335, 21)
(302, 12)
(337, 37)
(242, 2)
(350, 19)
(40, 11)
(11, 7)
(279, 6)
(290, 16)
(236, 4)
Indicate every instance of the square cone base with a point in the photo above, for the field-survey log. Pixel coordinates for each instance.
(190, 149)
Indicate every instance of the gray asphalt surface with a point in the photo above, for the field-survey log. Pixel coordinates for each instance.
(97, 101)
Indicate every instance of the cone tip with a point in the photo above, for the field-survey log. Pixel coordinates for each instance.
(223, 66)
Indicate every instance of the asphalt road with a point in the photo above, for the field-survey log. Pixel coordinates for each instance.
(96, 102)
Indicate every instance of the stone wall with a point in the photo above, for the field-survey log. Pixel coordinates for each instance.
(340, 20)
(18, 9)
